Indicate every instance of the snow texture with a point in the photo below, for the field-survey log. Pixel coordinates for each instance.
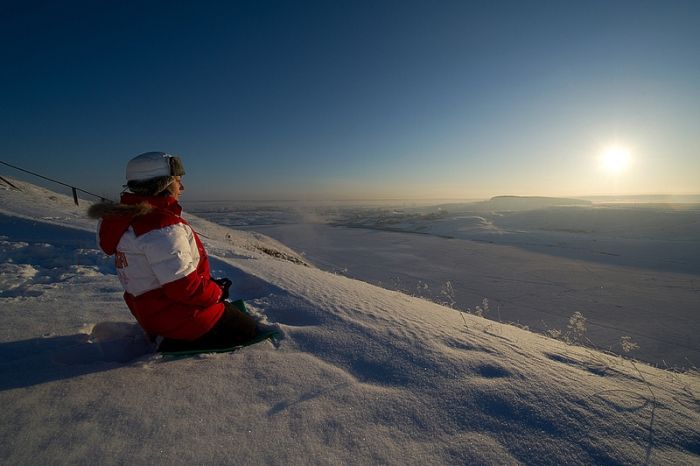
(632, 270)
(363, 375)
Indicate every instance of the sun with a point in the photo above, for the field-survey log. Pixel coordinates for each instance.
(615, 159)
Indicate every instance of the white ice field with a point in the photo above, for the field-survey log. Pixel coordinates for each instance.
(630, 268)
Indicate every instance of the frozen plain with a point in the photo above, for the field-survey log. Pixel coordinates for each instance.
(364, 375)
(631, 269)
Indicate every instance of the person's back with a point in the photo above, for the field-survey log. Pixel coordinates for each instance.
(162, 263)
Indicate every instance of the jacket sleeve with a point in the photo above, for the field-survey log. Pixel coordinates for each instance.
(194, 290)
(173, 255)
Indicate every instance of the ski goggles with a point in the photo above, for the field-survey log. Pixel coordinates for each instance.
(176, 166)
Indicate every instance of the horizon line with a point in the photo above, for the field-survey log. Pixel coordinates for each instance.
(455, 199)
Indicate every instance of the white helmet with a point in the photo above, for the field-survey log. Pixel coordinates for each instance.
(153, 165)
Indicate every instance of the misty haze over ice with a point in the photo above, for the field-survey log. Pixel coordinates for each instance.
(631, 268)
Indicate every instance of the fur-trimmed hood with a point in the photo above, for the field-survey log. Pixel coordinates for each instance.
(111, 209)
(140, 212)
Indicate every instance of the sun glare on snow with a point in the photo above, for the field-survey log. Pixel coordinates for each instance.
(615, 159)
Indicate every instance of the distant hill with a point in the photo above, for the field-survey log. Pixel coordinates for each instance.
(512, 203)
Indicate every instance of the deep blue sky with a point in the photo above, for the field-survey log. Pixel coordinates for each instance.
(338, 99)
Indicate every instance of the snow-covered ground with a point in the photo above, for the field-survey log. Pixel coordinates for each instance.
(631, 269)
(363, 375)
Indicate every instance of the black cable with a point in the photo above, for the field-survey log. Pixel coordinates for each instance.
(55, 181)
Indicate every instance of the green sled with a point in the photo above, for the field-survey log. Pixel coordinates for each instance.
(262, 336)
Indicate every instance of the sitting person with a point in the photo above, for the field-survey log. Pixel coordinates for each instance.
(162, 264)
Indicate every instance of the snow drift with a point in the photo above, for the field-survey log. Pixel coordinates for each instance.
(363, 375)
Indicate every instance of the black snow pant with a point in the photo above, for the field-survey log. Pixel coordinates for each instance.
(232, 329)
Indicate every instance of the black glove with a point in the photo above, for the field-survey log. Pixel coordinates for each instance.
(224, 284)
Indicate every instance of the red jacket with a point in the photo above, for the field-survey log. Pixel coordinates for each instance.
(162, 265)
